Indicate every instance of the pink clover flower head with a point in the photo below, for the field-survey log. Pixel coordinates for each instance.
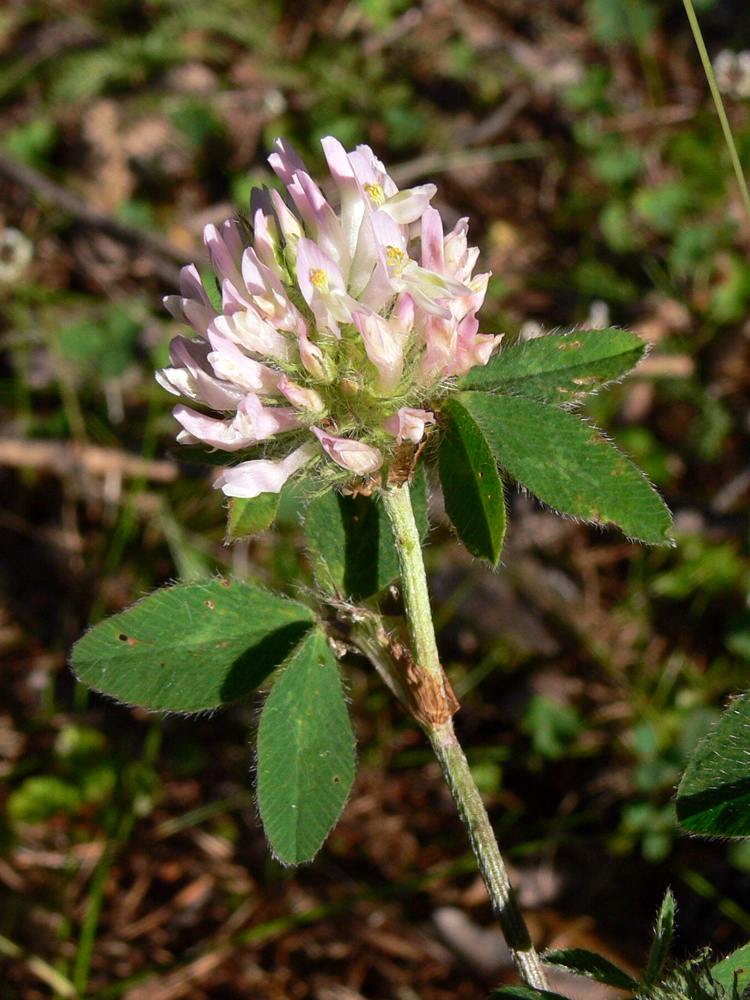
(336, 329)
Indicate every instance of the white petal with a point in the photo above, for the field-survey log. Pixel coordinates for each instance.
(249, 479)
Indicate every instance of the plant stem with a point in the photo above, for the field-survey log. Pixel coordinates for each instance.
(461, 782)
(448, 750)
(397, 502)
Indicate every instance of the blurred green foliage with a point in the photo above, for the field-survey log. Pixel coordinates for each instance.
(83, 775)
(553, 727)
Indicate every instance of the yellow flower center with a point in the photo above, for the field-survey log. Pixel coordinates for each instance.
(396, 259)
(376, 193)
(320, 279)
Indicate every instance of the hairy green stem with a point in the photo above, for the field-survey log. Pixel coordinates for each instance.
(716, 94)
(397, 501)
(502, 895)
(448, 750)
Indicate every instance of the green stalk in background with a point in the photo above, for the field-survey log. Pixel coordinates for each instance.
(716, 94)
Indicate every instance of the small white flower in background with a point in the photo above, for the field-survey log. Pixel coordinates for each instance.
(598, 317)
(337, 330)
(732, 71)
(16, 252)
(531, 329)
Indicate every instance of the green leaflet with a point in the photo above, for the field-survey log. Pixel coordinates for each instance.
(250, 517)
(569, 464)
(738, 963)
(591, 965)
(472, 487)
(557, 368)
(305, 753)
(351, 543)
(520, 992)
(714, 795)
(192, 646)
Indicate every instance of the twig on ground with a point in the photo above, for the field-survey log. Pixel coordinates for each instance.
(176, 984)
(436, 163)
(66, 457)
(165, 253)
(648, 118)
(499, 120)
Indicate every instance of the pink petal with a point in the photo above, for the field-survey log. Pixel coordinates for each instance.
(285, 161)
(249, 479)
(231, 363)
(321, 220)
(409, 424)
(387, 233)
(310, 258)
(227, 435)
(288, 221)
(189, 353)
(192, 306)
(267, 420)
(432, 241)
(355, 456)
(258, 277)
(252, 423)
(370, 170)
(266, 240)
(193, 377)
(254, 334)
(409, 205)
(217, 394)
(472, 349)
(231, 233)
(324, 223)
(300, 397)
(354, 201)
(403, 316)
(384, 348)
(368, 277)
(310, 354)
(460, 258)
(232, 300)
(322, 287)
(224, 264)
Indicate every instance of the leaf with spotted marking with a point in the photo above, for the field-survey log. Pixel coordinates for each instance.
(559, 367)
(305, 753)
(192, 646)
(733, 972)
(569, 464)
